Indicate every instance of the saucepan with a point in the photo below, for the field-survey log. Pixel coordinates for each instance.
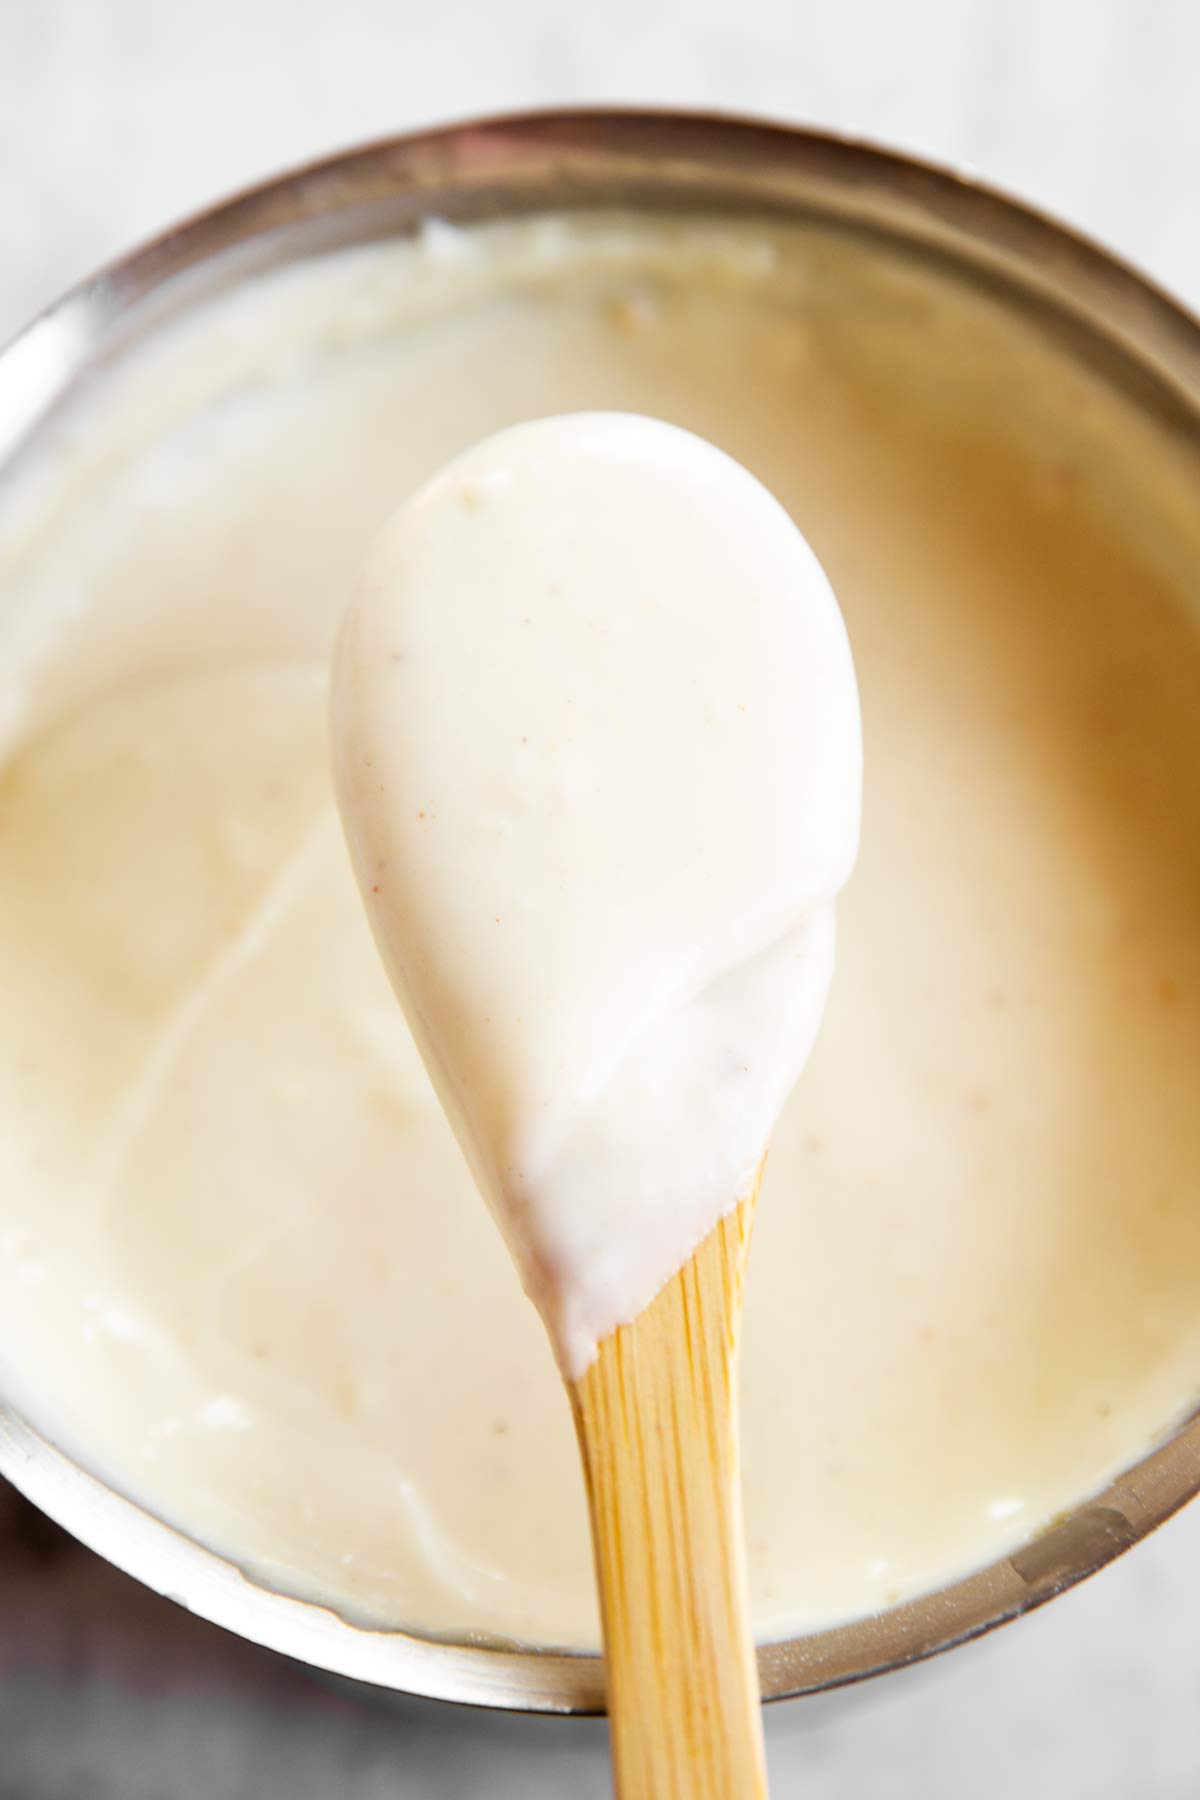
(653, 161)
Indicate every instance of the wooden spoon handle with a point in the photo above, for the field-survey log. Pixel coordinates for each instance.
(656, 1416)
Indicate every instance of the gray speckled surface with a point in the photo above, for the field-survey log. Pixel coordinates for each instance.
(118, 115)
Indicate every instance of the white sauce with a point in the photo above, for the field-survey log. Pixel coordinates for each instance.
(597, 747)
(243, 1269)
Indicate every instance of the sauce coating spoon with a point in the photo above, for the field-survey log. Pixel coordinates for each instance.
(597, 749)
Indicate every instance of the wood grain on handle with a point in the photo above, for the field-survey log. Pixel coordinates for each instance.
(656, 1416)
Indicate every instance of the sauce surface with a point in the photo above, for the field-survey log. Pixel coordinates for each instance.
(242, 1265)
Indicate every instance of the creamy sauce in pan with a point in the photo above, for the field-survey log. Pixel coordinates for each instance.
(243, 1269)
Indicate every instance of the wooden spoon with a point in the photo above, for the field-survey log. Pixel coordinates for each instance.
(656, 1416)
(503, 762)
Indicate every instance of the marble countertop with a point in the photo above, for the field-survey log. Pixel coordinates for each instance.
(116, 116)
